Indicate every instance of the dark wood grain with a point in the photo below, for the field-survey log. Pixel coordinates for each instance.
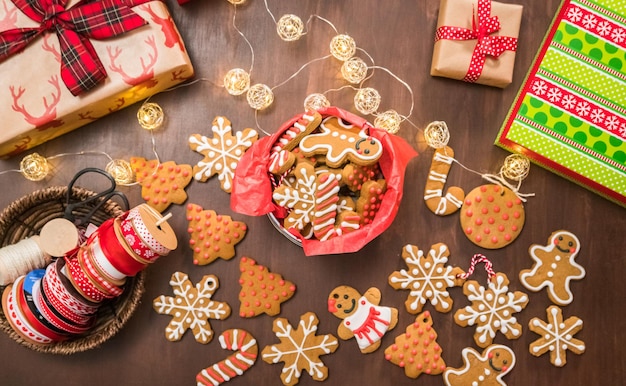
(399, 36)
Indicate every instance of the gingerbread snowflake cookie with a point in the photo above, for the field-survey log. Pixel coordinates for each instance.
(212, 235)
(362, 316)
(486, 368)
(556, 336)
(554, 267)
(492, 309)
(427, 278)
(417, 350)
(222, 152)
(162, 184)
(191, 308)
(300, 349)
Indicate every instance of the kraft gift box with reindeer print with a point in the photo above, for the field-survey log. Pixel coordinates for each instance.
(36, 104)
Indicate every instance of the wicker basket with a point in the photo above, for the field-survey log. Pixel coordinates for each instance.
(24, 218)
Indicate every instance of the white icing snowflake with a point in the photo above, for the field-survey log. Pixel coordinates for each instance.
(222, 152)
(556, 336)
(427, 278)
(191, 308)
(300, 198)
(300, 349)
(492, 309)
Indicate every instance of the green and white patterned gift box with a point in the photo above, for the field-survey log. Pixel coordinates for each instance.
(570, 113)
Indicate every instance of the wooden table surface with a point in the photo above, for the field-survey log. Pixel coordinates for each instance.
(399, 36)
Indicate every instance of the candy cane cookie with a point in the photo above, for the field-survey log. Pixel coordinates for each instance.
(433, 192)
(326, 198)
(235, 364)
(281, 157)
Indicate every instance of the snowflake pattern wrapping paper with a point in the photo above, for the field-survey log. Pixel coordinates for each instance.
(570, 113)
(191, 308)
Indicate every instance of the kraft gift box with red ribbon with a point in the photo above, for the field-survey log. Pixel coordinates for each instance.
(476, 40)
(65, 64)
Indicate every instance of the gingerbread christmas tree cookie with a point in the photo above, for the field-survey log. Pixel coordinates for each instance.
(300, 349)
(417, 350)
(212, 235)
(556, 336)
(262, 291)
(485, 369)
(162, 184)
(222, 152)
(427, 278)
(191, 308)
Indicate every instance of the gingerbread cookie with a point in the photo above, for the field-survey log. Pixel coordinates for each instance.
(212, 235)
(355, 175)
(262, 291)
(162, 184)
(340, 142)
(427, 277)
(554, 267)
(436, 201)
(492, 216)
(192, 307)
(417, 350)
(486, 368)
(557, 336)
(246, 350)
(222, 152)
(326, 198)
(281, 157)
(491, 310)
(300, 349)
(299, 198)
(368, 203)
(362, 316)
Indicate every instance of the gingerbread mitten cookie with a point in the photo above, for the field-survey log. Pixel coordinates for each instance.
(362, 316)
(554, 267)
(486, 368)
(417, 350)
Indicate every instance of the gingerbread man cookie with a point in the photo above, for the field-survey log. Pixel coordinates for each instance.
(486, 368)
(362, 316)
(340, 142)
(554, 267)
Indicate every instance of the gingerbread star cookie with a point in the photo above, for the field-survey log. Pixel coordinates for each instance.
(554, 267)
(300, 349)
(417, 350)
(427, 278)
(362, 317)
(556, 336)
(262, 291)
(485, 369)
(222, 152)
(212, 235)
(162, 184)
(191, 308)
(491, 310)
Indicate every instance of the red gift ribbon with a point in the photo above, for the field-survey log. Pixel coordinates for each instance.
(482, 28)
(81, 69)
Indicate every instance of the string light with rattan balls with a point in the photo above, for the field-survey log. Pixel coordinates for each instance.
(150, 116)
(237, 2)
(389, 121)
(34, 167)
(236, 81)
(367, 100)
(354, 70)
(342, 47)
(260, 96)
(516, 167)
(315, 101)
(437, 134)
(289, 28)
(121, 171)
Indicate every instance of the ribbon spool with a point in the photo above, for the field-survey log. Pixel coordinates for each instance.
(19, 259)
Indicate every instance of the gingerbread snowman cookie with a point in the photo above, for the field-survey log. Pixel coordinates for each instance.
(362, 316)
(486, 368)
(554, 267)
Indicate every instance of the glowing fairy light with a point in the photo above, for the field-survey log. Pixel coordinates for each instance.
(237, 81)
(260, 96)
(289, 27)
(342, 47)
(315, 101)
(388, 120)
(367, 100)
(150, 116)
(34, 167)
(437, 134)
(121, 171)
(516, 167)
(354, 70)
